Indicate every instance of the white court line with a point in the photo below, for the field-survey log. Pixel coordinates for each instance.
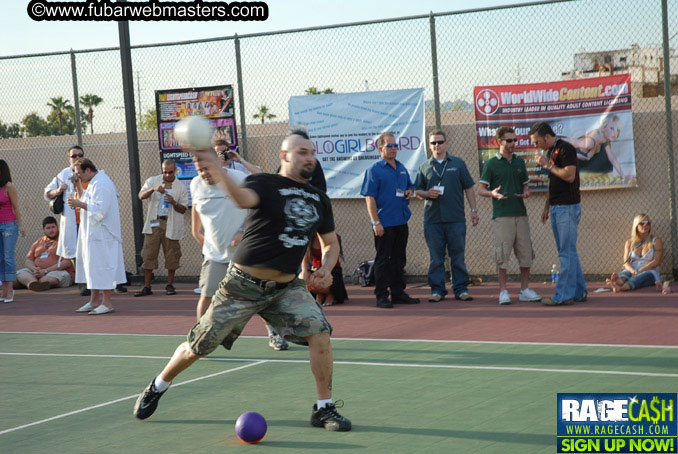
(438, 341)
(111, 402)
(361, 363)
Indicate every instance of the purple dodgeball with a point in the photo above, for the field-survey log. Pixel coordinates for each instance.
(251, 427)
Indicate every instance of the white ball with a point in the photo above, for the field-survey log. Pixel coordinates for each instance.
(194, 132)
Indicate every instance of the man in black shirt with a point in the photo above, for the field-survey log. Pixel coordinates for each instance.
(285, 212)
(564, 207)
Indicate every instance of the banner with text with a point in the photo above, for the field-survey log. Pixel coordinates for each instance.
(592, 114)
(617, 422)
(215, 103)
(345, 128)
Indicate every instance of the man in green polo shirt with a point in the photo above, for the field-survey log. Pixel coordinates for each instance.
(504, 179)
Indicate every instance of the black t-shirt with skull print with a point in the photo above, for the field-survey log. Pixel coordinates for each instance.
(278, 230)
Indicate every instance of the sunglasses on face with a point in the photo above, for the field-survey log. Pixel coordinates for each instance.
(79, 155)
(392, 145)
(510, 140)
(644, 223)
(439, 142)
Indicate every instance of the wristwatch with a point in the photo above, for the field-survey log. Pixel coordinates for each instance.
(376, 223)
(474, 210)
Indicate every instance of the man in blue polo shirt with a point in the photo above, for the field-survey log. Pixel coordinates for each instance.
(387, 188)
(443, 181)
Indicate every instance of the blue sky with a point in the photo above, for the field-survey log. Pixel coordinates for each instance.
(517, 45)
(38, 37)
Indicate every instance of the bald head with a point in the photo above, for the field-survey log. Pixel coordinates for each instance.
(295, 139)
(169, 170)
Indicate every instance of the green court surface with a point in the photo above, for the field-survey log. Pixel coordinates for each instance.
(63, 393)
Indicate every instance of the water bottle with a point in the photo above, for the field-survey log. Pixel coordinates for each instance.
(164, 200)
(554, 274)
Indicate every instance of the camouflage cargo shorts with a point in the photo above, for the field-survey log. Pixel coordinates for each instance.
(291, 310)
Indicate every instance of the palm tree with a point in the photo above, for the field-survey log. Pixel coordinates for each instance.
(60, 106)
(264, 114)
(90, 101)
(315, 91)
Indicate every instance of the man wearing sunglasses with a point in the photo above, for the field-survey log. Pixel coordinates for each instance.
(387, 189)
(443, 180)
(70, 217)
(505, 180)
(164, 225)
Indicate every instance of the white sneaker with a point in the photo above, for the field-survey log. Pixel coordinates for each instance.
(529, 295)
(100, 310)
(10, 299)
(504, 297)
(86, 308)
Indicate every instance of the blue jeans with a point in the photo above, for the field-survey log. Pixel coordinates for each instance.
(565, 222)
(9, 233)
(438, 236)
(640, 280)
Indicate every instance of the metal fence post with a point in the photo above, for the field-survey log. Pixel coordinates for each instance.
(434, 68)
(241, 99)
(669, 139)
(76, 101)
(132, 139)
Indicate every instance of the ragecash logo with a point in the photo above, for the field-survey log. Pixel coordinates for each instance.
(487, 102)
(617, 423)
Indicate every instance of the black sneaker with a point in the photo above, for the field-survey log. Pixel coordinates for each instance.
(144, 291)
(384, 303)
(120, 289)
(329, 418)
(404, 299)
(147, 401)
(584, 298)
(84, 291)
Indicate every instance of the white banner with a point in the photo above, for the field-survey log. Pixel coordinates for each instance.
(345, 128)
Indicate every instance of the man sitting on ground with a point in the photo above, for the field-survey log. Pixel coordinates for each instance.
(44, 268)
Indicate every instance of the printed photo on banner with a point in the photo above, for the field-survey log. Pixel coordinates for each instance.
(211, 102)
(215, 103)
(345, 128)
(223, 129)
(594, 115)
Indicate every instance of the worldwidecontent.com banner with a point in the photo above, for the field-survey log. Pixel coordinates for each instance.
(617, 423)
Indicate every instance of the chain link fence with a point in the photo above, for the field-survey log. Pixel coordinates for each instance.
(521, 44)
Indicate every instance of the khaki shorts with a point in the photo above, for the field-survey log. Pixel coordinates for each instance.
(211, 274)
(152, 243)
(63, 276)
(289, 308)
(512, 233)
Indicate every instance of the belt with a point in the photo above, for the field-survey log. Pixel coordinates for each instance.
(163, 218)
(265, 285)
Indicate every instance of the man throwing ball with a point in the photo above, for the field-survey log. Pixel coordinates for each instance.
(285, 213)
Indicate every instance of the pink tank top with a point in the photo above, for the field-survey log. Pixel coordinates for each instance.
(6, 211)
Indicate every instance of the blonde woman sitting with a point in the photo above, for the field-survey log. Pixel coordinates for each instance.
(643, 255)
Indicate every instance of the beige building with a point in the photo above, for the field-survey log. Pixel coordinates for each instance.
(644, 64)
